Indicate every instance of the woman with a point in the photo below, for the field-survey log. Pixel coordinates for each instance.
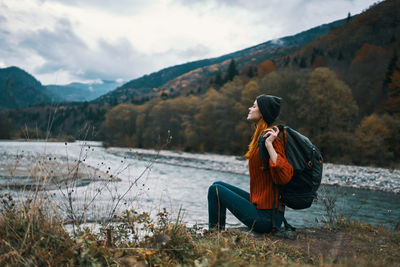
(255, 209)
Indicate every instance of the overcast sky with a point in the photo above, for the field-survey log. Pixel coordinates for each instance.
(61, 41)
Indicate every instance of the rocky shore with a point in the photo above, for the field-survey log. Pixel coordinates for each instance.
(21, 170)
(30, 171)
(333, 174)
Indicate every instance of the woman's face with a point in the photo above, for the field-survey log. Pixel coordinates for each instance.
(254, 113)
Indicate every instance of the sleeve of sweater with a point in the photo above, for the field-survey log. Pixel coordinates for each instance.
(281, 171)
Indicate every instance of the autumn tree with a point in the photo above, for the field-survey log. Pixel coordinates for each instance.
(327, 111)
(265, 68)
(286, 84)
(393, 141)
(141, 124)
(249, 71)
(230, 112)
(372, 136)
(243, 128)
(249, 93)
(190, 136)
(393, 100)
(159, 123)
(367, 71)
(206, 120)
(119, 127)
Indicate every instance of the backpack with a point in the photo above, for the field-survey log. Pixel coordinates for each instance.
(301, 191)
(307, 162)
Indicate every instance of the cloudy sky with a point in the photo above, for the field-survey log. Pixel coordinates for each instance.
(60, 41)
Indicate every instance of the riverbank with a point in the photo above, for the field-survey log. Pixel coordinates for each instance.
(29, 170)
(371, 178)
(387, 180)
(147, 184)
(30, 237)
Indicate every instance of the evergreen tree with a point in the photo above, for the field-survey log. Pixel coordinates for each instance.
(218, 79)
(4, 128)
(303, 63)
(251, 72)
(232, 71)
(393, 100)
(390, 69)
(348, 17)
(340, 56)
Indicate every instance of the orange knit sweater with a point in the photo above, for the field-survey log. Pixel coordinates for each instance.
(261, 178)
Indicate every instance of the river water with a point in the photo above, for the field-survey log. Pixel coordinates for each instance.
(148, 181)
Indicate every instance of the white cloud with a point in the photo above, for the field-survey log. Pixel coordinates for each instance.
(61, 41)
(59, 76)
(98, 81)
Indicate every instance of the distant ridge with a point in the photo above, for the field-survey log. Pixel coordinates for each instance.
(78, 92)
(20, 89)
(148, 84)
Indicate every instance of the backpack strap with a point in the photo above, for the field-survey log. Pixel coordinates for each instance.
(283, 135)
(274, 210)
(289, 230)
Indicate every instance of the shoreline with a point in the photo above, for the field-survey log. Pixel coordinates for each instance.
(359, 177)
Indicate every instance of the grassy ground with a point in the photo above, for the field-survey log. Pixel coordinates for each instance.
(30, 236)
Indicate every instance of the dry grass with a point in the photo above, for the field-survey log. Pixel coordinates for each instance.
(31, 237)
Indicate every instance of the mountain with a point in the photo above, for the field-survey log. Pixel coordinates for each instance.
(20, 89)
(76, 92)
(360, 51)
(363, 52)
(196, 75)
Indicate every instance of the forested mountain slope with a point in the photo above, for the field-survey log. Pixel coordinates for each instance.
(20, 89)
(196, 76)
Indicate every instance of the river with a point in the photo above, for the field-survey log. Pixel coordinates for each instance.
(150, 181)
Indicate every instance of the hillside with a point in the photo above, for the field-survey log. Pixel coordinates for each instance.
(76, 92)
(196, 76)
(364, 52)
(20, 89)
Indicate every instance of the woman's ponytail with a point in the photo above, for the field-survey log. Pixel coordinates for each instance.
(260, 127)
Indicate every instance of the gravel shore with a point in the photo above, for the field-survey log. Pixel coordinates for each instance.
(333, 174)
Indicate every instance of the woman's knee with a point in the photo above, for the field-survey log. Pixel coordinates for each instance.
(219, 182)
(215, 188)
(212, 190)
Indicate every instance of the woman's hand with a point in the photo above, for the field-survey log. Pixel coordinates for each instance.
(271, 134)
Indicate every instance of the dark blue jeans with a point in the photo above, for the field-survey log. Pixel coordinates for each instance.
(222, 196)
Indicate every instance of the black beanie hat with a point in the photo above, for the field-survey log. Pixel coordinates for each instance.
(269, 106)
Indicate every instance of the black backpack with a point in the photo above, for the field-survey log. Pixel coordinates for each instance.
(307, 162)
